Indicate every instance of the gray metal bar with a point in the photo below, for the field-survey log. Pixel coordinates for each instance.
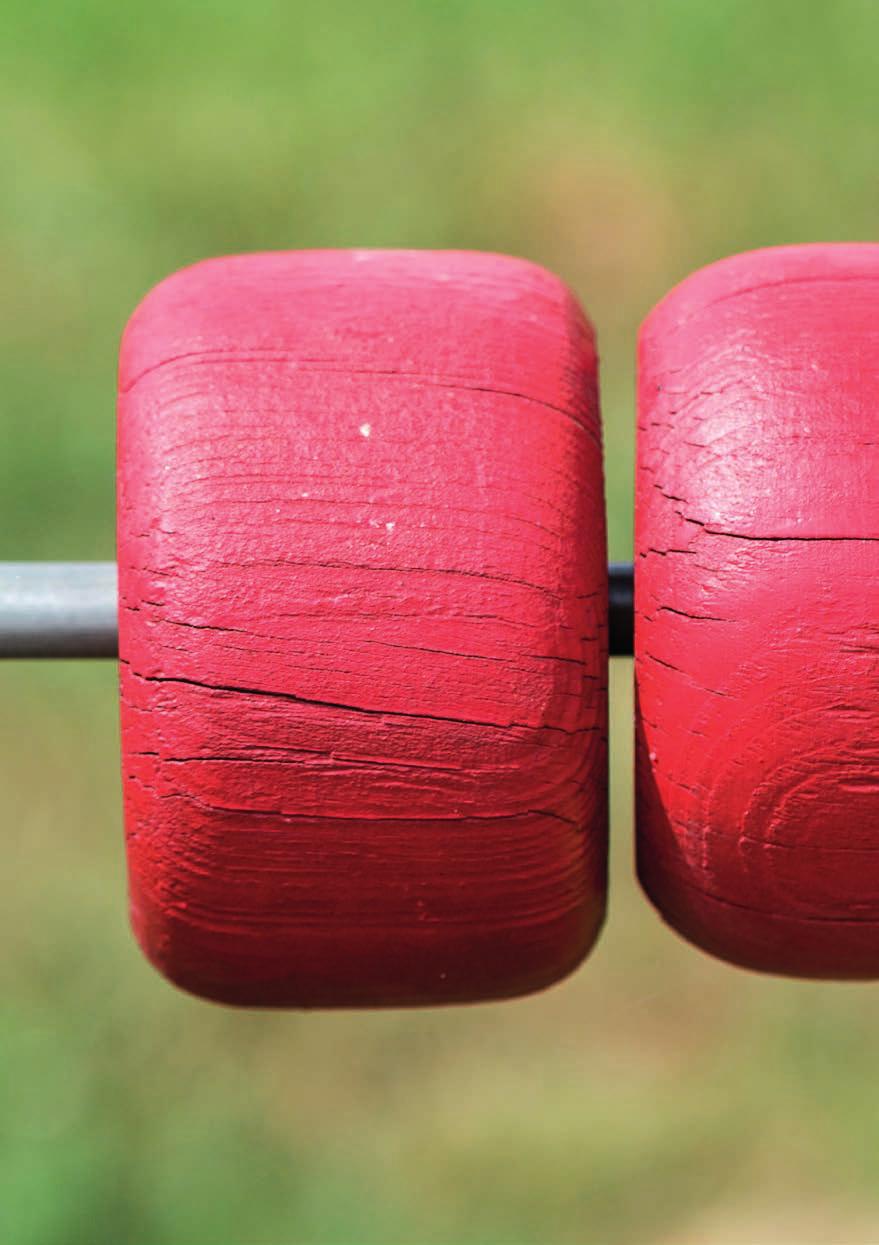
(58, 609)
(621, 609)
(68, 609)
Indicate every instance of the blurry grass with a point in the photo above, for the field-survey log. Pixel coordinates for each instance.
(656, 1096)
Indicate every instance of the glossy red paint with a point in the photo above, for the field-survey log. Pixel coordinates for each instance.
(757, 600)
(362, 628)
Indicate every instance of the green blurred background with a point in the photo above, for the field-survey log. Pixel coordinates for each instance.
(655, 1097)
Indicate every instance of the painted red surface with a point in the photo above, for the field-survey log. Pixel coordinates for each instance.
(757, 609)
(362, 628)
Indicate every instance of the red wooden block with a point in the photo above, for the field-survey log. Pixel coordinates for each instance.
(757, 609)
(362, 628)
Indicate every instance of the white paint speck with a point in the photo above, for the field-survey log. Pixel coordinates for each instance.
(390, 526)
(365, 430)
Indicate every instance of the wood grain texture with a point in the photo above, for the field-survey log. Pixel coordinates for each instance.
(362, 628)
(757, 609)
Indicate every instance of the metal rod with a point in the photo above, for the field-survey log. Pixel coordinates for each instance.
(68, 609)
(621, 609)
(58, 609)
